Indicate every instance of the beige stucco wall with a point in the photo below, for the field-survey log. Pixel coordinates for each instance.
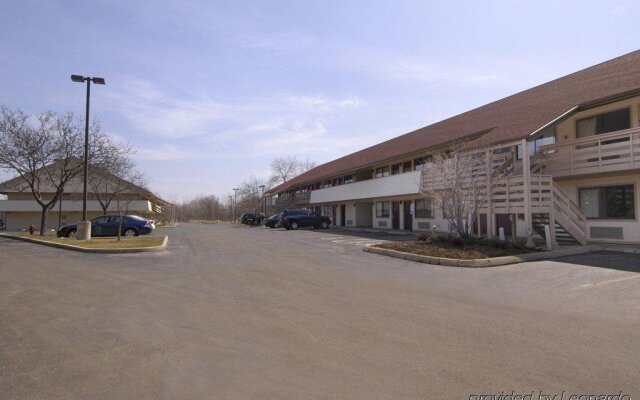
(21, 220)
(631, 228)
(566, 130)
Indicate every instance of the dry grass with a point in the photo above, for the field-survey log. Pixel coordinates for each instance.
(100, 243)
(468, 251)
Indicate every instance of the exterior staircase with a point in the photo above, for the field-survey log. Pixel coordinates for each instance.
(563, 238)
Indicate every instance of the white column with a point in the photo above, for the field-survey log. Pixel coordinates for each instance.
(526, 174)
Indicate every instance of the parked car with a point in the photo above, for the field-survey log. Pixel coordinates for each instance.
(294, 219)
(272, 221)
(252, 218)
(107, 225)
(247, 218)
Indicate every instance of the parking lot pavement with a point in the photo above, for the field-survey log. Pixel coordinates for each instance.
(337, 236)
(252, 313)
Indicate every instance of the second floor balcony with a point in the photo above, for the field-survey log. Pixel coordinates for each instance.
(394, 185)
(611, 152)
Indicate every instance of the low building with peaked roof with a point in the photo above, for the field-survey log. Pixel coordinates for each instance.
(20, 210)
(583, 177)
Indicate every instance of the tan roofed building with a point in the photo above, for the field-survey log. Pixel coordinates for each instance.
(583, 135)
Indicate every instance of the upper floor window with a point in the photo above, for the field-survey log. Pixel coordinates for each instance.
(604, 123)
(406, 166)
(421, 163)
(546, 137)
(395, 169)
(382, 172)
(348, 179)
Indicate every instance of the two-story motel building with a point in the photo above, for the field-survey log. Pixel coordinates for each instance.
(581, 173)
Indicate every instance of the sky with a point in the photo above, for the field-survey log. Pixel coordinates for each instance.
(209, 92)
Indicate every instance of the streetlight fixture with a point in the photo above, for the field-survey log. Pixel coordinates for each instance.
(235, 204)
(84, 227)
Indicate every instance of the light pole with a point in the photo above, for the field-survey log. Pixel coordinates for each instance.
(261, 187)
(230, 208)
(235, 204)
(84, 228)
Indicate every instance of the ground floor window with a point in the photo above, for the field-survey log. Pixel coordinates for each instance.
(382, 209)
(608, 202)
(423, 208)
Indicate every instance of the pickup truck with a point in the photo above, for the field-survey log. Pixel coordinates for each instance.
(294, 219)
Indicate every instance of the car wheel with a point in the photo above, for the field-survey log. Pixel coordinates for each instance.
(271, 227)
(130, 233)
(72, 234)
(325, 225)
(294, 225)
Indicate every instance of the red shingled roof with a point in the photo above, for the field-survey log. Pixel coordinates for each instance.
(511, 118)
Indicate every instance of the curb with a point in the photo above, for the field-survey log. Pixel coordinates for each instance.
(162, 247)
(481, 262)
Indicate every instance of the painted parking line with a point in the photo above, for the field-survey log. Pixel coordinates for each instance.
(595, 284)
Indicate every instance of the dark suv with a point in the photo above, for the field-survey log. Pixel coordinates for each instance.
(294, 219)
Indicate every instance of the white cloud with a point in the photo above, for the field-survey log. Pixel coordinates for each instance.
(164, 152)
(398, 68)
(159, 114)
(277, 41)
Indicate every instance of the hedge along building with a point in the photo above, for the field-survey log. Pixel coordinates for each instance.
(580, 174)
(20, 210)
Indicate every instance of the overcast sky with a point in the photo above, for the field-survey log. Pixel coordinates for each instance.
(208, 92)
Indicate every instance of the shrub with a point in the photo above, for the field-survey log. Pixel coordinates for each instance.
(424, 236)
(456, 241)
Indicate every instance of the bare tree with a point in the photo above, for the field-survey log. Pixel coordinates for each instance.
(285, 168)
(251, 194)
(46, 152)
(117, 175)
(204, 207)
(126, 194)
(457, 182)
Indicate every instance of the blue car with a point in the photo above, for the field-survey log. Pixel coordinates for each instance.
(107, 225)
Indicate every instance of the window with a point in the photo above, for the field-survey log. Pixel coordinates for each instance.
(395, 169)
(421, 163)
(423, 208)
(100, 220)
(447, 208)
(382, 172)
(348, 179)
(114, 219)
(548, 136)
(604, 123)
(406, 167)
(382, 209)
(608, 202)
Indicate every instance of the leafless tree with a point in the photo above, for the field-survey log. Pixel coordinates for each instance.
(46, 151)
(204, 207)
(457, 181)
(285, 168)
(116, 176)
(125, 194)
(251, 194)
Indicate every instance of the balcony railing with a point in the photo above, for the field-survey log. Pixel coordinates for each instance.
(601, 153)
(394, 185)
(303, 198)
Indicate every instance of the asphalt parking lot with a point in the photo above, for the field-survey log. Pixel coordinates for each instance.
(253, 313)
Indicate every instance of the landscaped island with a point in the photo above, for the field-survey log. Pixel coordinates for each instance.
(446, 246)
